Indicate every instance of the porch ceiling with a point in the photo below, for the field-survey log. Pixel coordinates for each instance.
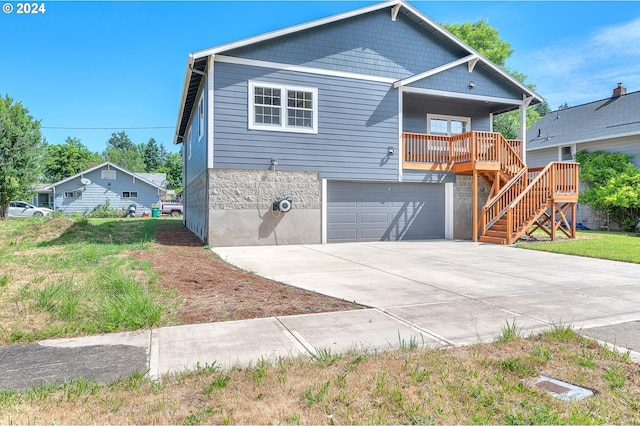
(415, 101)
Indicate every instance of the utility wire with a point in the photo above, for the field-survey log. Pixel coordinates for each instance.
(107, 128)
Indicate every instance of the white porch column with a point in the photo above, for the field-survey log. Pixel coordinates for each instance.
(523, 126)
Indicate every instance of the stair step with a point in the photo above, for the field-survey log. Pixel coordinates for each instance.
(498, 234)
(499, 227)
(493, 240)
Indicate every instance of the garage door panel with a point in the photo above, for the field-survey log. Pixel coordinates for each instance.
(348, 219)
(383, 211)
(374, 217)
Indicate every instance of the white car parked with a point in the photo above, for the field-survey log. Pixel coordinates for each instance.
(23, 209)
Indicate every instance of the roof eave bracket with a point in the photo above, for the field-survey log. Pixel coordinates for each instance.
(472, 64)
(394, 11)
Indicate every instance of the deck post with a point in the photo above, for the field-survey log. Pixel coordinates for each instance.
(475, 205)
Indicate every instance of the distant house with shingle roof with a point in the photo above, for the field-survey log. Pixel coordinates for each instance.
(611, 124)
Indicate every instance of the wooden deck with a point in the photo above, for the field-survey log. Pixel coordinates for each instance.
(521, 200)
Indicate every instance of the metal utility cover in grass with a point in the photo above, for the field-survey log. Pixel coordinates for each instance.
(562, 390)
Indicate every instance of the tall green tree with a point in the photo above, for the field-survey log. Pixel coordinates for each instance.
(62, 161)
(120, 141)
(20, 151)
(173, 168)
(483, 38)
(486, 40)
(122, 152)
(152, 156)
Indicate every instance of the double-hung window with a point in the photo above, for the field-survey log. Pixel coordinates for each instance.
(283, 108)
(447, 124)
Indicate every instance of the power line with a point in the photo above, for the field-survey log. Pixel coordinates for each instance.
(107, 128)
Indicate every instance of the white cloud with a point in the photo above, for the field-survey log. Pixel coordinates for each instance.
(581, 71)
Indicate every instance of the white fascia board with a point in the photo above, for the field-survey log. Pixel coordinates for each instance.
(471, 50)
(434, 71)
(595, 139)
(183, 97)
(295, 28)
(461, 95)
(302, 68)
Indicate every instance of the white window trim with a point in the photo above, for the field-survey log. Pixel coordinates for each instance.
(74, 194)
(573, 152)
(449, 118)
(201, 117)
(283, 127)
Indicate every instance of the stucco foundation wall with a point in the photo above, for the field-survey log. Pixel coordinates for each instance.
(463, 205)
(240, 207)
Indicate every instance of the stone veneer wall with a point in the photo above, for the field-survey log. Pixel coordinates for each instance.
(240, 207)
(463, 205)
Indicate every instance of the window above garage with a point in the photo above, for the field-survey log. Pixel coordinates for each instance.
(284, 108)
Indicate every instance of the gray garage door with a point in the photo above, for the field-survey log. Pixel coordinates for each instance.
(358, 211)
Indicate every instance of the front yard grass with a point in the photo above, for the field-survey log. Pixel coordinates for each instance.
(620, 246)
(70, 276)
(491, 383)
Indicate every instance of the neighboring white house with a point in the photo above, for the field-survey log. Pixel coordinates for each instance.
(84, 191)
(611, 124)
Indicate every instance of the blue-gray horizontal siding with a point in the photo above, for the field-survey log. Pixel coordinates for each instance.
(416, 108)
(357, 121)
(457, 79)
(371, 43)
(542, 157)
(99, 191)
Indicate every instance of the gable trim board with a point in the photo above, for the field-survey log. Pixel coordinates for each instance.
(301, 68)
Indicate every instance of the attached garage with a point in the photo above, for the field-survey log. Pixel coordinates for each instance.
(362, 211)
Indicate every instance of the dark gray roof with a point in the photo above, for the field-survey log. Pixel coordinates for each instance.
(603, 119)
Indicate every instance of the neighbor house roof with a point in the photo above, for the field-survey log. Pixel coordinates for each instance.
(197, 61)
(604, 119)
(142, 177)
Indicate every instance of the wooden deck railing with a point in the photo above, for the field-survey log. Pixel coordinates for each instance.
(556, 180)
(496, 207)
(442, 150)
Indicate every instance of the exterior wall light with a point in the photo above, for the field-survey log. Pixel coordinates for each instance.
(391, 150)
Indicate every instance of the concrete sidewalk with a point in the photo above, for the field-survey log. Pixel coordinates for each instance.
(436, 293)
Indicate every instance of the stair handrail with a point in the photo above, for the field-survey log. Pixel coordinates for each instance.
(491, 214)
(517, 223)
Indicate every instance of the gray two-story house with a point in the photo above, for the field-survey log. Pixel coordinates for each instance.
(374, 124)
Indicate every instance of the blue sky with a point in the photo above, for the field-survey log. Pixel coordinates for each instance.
(120, 65)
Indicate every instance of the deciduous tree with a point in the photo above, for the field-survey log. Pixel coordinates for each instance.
(486, 40)
(62, 161)
(20, 151)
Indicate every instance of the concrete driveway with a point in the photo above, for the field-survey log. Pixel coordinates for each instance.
(461, 292)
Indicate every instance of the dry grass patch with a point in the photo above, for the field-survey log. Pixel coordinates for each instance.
(486, 383)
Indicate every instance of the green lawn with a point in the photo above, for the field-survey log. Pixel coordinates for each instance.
(70, 276)
(621, 246)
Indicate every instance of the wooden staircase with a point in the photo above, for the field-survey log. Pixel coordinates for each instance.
(521, 200)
